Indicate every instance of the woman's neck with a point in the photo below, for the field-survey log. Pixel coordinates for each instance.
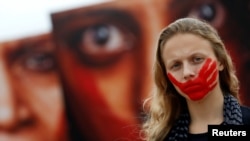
(207, 111)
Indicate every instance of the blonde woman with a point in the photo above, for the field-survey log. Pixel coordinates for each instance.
(195, 82)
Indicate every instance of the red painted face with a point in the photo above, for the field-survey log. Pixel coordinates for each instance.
(199, 87)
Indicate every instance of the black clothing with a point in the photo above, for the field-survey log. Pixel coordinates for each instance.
(198, 137)
(234, 114)
(245, 114)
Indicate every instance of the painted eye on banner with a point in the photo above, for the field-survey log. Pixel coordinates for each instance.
(103, 43)
(39, 61)
(101, 38)
(33, 56)
(211, 11)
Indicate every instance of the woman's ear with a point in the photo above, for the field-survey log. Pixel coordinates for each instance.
(220, 66)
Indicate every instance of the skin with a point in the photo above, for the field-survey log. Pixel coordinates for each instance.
(184, 55)
(31, 107)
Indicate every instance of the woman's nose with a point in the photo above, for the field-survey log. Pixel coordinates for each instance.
(7, 100)
(188, 71)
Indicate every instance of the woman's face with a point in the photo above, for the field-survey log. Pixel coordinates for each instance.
(31, 107)
(189, 59)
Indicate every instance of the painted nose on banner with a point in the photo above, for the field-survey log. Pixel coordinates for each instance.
(7, 100)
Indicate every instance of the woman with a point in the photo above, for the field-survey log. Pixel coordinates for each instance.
(196, 84)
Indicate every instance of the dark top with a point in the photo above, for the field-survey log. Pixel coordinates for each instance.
(245, 115)
(198, 137)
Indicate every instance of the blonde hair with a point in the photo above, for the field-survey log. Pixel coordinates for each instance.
(166, 104)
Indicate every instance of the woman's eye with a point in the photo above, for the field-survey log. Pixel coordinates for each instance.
(210, 11)
(39, 62)
(197, 59)
(175, 66)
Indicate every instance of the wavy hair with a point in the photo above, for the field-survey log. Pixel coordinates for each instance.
(165, 104)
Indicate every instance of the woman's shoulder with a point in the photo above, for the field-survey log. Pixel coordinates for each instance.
(245, 114)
